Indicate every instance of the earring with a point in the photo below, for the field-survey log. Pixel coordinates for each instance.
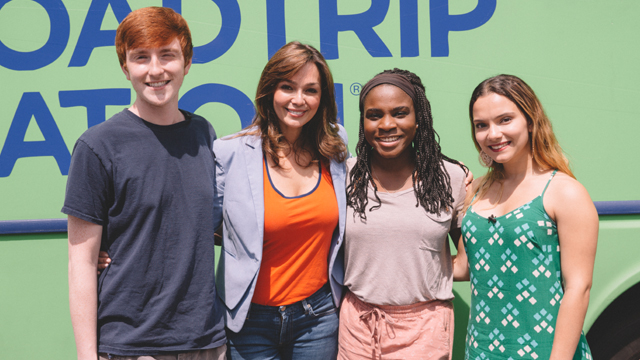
(485, 159)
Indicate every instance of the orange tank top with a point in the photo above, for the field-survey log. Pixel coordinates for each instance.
(297, 238)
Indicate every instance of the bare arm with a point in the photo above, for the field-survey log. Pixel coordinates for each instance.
(460, 262)
(84, 244)
(577, 221)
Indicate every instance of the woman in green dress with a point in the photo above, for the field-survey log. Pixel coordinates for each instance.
(530, 233)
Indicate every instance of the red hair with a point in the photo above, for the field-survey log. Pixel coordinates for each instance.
(152, 27)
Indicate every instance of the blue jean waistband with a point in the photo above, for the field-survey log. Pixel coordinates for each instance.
(320, 294)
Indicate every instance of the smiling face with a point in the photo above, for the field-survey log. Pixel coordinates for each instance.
(156, 75)
(501, 129)
(296, 100)
(389, 121)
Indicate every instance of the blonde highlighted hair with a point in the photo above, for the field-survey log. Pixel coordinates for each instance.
(546, 152)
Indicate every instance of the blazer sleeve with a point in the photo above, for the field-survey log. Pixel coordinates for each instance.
(218, 190)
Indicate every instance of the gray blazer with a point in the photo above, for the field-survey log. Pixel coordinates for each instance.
(239, 204)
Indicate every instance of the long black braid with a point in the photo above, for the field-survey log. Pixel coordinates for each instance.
(431, 182)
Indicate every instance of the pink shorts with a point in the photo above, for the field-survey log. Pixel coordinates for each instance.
(418, 331)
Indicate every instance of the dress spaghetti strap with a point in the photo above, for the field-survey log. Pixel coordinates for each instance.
(548, 182)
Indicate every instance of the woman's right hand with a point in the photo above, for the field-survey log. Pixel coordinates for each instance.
(103, 261)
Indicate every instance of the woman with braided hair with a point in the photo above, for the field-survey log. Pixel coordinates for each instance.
(404, 197)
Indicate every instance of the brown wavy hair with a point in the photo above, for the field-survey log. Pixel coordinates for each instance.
(319, 137)
(545, 150)
(152, 27)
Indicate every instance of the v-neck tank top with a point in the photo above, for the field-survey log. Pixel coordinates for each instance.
(516, 284)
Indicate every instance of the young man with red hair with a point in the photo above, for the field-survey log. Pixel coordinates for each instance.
(140, 187)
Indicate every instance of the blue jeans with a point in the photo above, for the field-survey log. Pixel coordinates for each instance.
(305, 330)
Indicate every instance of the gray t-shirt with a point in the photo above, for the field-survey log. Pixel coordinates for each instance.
(400, 255)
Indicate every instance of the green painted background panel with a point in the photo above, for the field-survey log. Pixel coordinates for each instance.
(580, 57)
(34, 305)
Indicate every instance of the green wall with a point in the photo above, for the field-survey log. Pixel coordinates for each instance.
(580, 57)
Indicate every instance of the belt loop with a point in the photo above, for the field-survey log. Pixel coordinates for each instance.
(306, 307)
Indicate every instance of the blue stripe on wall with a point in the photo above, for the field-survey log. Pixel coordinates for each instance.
(33, 226)
(628, 207)
(37, 226)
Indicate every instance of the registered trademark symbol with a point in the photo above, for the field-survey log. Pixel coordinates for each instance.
(355, 88)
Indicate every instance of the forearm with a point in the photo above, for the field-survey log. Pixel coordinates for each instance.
(460, 268)
(83, 306)
(460, 261)
(84, 244)
(569, 323)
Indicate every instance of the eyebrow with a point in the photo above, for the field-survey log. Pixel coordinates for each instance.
(138, 51)
(295, 83)
(401, 107)
(511, 113)
(146, 50)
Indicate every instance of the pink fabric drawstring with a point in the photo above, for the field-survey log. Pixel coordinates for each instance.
(373, 318)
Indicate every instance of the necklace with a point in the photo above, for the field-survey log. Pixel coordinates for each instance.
(373, 172)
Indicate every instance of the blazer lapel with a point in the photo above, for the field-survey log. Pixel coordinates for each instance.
(255, 171)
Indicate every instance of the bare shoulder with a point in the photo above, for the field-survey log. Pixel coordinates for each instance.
(565, 188)
(471, 193)
(475, 185)
(565, 194)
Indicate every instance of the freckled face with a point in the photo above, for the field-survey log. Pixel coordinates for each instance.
(389, 121)
(296, 100)
(501, 129)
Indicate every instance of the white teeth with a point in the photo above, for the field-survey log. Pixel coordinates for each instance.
(498, 147)
(296, 113)
(158, 83)
(389, 139)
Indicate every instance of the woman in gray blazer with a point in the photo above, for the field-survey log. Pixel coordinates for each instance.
(280, 195)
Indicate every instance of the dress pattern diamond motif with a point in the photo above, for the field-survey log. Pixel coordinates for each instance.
(516, 284)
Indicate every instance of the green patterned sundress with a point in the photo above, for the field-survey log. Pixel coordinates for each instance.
(516, 284)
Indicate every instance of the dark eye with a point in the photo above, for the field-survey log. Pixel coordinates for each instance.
(372, 115)
(312, 90)
(505, 119)
(479, 126)
(286, 87)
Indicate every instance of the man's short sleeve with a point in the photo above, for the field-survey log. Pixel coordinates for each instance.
(88, 186)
